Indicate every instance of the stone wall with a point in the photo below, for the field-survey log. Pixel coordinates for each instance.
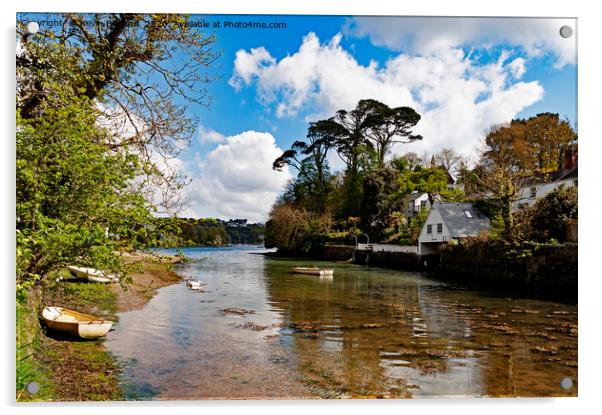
(533, 270)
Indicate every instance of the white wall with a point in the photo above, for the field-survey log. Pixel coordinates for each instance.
(428, 242)
(542, 189)
(411, 211)
(388, 248)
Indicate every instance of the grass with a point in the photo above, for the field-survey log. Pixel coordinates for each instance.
(28, 368)
(65, 370)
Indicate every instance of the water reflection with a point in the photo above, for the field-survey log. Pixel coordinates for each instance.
(364, 333)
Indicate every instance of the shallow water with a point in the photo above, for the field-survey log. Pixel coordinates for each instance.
(259, 331)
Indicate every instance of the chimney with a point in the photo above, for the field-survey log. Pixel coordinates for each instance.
(570, 159)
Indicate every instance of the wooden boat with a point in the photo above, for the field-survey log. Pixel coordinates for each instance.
(72, 323)
(92, 274)
(194, 284)
(321, 272)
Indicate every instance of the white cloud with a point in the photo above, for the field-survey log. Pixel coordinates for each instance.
(236, 179)
(457, 98)
(428, 35)
(207, 135)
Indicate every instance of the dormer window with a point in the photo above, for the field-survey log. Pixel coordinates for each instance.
(533, 191)
(468, 214)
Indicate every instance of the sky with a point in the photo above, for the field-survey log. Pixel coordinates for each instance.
(462, 75)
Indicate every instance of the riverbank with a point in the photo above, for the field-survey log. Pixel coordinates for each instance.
(81, 370)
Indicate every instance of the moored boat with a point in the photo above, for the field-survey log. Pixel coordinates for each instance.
(75, 324)
(92, 274)
(321, 272)
(194, 284)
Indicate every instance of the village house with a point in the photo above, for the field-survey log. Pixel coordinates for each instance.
(415, 202)
(539, 185)
(448, 222)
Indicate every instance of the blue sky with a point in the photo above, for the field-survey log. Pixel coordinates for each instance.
(462, 75)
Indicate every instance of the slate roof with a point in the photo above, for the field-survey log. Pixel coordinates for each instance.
(458, 223)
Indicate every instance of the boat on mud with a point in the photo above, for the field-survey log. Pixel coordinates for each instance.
(92, 274)
(74, 324)
(321, 272)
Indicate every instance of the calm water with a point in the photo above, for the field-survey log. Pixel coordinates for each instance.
(259, 331)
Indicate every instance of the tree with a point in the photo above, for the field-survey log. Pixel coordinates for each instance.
(552, 212)
(362, 137)
(387, 126)
(313, 176)
(99, 101)
(140, 71)
(449, 159)
(433, 181)
(73, 194)
(549, 136)
(379, 202)
(505, 162)
(408, 161)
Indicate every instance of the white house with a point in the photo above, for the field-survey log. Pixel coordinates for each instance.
(415, 202)
(450, 221)
(537, 187)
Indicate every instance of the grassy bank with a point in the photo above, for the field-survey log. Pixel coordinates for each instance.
(68, 370)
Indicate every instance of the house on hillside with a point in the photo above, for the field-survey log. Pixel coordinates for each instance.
(538, 186)
(415, 202)
(450, 222)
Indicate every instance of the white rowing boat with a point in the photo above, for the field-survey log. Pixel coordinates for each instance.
(92, 274)
(195, 284)
(72, 323)
(321, 272)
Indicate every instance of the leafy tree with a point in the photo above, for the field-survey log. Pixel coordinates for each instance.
(406, 162)
(548, 136)
(295, 230)
(433, 181)
(140, 71)
(387, 126)
(379, 202)
(97, 105)
(73, 196)
(552, 212)
(313, 178)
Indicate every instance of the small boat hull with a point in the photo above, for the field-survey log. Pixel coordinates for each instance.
(320, 272)
(92, 274)
(195, 285)
(73, 324)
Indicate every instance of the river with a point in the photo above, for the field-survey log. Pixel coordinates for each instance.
(258, 331)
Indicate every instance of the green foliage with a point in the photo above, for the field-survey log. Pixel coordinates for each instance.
(433, 181)
(294, 230)
(552, 212)
(77, 202)
(378, 201)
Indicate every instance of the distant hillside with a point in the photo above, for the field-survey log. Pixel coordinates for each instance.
(216, 232)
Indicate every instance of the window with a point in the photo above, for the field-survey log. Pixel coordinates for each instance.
(468, 214)
(533, 191)
(439, 228)
(423, 204)
(429, 228)
(411, 206)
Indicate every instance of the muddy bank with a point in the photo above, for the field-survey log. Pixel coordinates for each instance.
(85, 370)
